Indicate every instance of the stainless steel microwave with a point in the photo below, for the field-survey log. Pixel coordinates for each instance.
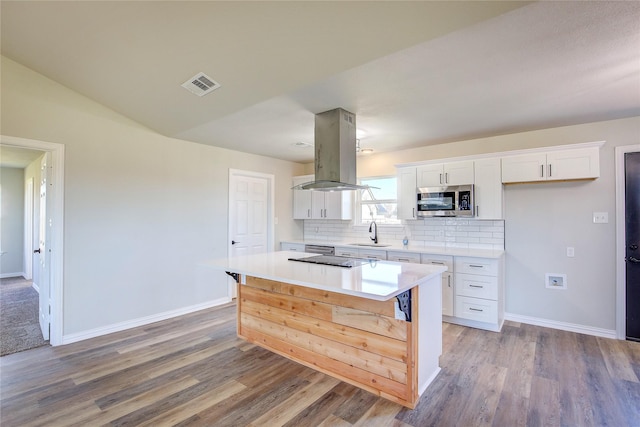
(446, 201)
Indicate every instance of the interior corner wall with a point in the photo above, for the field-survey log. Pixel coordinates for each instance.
(12, 224)
(543, 219)
(143, 212)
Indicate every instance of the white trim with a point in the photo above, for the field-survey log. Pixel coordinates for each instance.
(17, 274)
(621, 275)
(57, 235)
(28, 228)
(506, 153)
(121, 326)
(35, 286)
(563, 326)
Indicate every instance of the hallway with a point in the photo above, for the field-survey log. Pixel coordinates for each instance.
(19, 328)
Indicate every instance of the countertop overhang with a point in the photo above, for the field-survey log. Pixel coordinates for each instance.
(376, 280)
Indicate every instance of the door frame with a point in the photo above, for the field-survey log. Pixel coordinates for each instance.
(57, 227)
(621, 275)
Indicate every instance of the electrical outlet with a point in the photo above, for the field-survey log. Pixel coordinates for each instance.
(601, 217)
(571, 252)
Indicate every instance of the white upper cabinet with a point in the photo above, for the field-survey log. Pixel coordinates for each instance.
(320, 204)
(581, 163)
(489, 191)
(302, 199)
(438, 174)
(407, 193)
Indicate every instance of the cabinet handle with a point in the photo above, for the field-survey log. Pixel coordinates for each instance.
(308, 213)
(477, 210)
(446, 177)
(541, 171)
(437, 262)
(449, 280)
(403, 259)
(549, 170)
(440, 178)
(475, 309)
(475, 266)
(414, 213)
(325, 213)
(476, 286)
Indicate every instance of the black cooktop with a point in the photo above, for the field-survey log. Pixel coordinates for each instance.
(336, 261)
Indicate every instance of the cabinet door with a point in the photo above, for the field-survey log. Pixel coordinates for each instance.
(301, 199)
(524, 168)
(407, 193)
(338, 205)
(447, 294)
(573, 164)
(317, 204)
(430, 175)
(489, 191)
(458, 173)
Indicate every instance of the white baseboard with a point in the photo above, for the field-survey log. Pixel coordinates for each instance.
(571, 327)
(35, 286)
(20, 274)
(117, 327)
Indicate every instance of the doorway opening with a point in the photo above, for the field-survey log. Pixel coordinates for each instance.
(54, 220)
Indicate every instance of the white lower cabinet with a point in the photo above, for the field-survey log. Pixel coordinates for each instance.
(361, 253)
(447, 280)
(479, 292)
(296, 247)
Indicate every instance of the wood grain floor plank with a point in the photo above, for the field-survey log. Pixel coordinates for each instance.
(179, 372)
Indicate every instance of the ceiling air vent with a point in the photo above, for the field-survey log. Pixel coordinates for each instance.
(201, 84)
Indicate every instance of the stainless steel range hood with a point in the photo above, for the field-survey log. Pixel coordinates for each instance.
(335, 158)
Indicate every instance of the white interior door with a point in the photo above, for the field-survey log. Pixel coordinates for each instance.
(251, 217)
(44, 244)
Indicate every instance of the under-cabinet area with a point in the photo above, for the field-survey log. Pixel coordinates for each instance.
(472, 285)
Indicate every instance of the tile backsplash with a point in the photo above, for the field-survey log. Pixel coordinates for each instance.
(442, 232)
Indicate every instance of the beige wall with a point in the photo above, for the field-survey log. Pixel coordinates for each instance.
(142, 211)
(541, 220)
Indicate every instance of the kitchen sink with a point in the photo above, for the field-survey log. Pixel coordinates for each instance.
(371, 245)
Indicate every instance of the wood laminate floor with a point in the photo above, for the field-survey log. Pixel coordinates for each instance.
(193, 371)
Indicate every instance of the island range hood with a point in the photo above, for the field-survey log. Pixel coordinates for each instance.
(335, 153)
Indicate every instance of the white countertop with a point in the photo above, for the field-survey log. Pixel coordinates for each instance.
(377, 280)
(433, 250)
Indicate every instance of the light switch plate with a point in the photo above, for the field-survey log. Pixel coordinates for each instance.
(601, 217)
(571, 252)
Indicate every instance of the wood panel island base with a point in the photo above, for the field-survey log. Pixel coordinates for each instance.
(347, 332)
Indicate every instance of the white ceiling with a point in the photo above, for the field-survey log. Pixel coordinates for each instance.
(414, 73)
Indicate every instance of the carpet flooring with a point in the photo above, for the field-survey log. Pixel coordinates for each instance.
(19, 327)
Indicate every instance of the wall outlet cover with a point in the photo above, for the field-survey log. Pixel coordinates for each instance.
(555, 281)
(601, 217)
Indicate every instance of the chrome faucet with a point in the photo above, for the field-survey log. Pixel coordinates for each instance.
(373, 226)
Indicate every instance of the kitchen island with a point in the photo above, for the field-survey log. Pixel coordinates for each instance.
(377, 325)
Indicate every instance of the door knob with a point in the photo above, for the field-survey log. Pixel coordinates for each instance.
(37, 251)
(233, 242)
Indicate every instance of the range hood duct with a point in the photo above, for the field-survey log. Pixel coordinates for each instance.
(335, 153)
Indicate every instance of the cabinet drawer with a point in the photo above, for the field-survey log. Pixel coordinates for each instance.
(292, 247)
(352, 253)
(446, 260)
(403, 257)
(482, 266)
(472, 285)
(368, 254)
(478, 309)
